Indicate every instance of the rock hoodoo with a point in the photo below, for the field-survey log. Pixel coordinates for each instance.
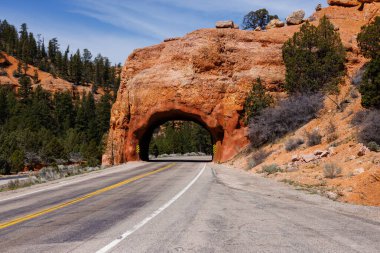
(205, 77)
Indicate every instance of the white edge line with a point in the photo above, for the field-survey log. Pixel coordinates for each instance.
(150, 217)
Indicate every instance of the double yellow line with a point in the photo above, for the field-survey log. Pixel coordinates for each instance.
(79, 199)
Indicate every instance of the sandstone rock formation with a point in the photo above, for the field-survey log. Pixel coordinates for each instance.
(205, 77)
(345, 3)
(295, 18)
(275, 23)
(225, 24)
(349, 3)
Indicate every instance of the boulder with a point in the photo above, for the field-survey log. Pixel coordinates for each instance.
(309, 158)
(257, 29)
(325, 154)
(358, 171)
(318, 7)
(363, 150)
(296, 17)
(225, 24)
(345, 3)
(332, 195)
(274, 23)
(295, 158)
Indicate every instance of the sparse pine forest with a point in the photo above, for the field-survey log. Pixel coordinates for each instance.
(80, 68)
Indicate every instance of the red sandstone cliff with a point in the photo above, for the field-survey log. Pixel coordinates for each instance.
(205, 76)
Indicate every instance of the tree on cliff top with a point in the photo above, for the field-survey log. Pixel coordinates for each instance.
(259, 18)
(314, 59)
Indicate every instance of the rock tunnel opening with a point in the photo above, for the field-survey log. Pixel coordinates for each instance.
(145, 134)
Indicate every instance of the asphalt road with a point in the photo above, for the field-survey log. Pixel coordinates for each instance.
(180, 207)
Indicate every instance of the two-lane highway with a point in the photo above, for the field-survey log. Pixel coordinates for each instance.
(180, 207)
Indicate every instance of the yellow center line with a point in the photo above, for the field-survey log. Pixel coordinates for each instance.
(79, 199)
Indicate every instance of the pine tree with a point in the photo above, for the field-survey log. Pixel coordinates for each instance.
(369, 43)
(25, 87)
(314, 59)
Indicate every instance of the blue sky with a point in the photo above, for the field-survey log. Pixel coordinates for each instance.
(115, 27)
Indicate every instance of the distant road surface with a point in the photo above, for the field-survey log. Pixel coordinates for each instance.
(180, 207)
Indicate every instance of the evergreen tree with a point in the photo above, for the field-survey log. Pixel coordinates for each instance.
(314, 58)
(53, 48)
(257, 100)
(369, 43)
(25, 87)
(259, 18)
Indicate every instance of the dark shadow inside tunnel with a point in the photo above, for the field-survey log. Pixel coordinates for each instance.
(177, 136)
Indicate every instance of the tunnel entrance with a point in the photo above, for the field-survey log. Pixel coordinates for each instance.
(180, 140)
(177, 134)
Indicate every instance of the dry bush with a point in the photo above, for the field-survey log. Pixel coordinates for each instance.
(313, 138)
(257, 157)
(287, 116)
(331, 170)
(271, 169)
(369, 126)
(293, 144)
(331, 132)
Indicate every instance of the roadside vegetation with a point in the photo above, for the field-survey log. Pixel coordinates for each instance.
(314, 59)
(38, 128)
(47, 174)
(368, 121)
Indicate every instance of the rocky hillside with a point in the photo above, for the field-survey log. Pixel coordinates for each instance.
(205, 76)
(356, 168)
(9, 65)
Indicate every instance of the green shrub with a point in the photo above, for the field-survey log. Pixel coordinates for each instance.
(314, 58)
(370, 87)
(331, 170)
(369, 39)
(17, 161)
(256, 101)
(271, 169)
(373, 146)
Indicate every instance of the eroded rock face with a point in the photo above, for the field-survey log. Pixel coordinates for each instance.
(205, 77)
(349, 3)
